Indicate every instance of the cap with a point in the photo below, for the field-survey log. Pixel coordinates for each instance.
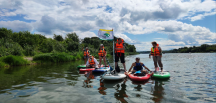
(86, 47)
(101, 44)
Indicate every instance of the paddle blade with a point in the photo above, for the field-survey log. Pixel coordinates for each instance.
(111, 68)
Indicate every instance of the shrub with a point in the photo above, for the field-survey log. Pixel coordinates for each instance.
(14, 60)
(53, 57)
(2, 64)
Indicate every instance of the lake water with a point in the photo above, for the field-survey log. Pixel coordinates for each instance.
(193, 79)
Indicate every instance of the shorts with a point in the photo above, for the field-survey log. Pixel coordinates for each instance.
(85, 57)
(122, 57)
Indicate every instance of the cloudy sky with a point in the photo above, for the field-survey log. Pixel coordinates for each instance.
(172, 23)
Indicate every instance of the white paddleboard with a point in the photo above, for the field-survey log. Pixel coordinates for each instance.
(119, 76)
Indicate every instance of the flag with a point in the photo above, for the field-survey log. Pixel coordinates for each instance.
(104, 34)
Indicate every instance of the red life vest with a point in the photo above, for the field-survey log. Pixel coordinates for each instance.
(155, 51)
(86, 53)
(119, 46)
(102, 52)
(91, 61)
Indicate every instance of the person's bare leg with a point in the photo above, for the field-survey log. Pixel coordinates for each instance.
(145, 71)
(116, 63)
(104, 59)
(155, 62)
(85, 60)
(100, 59)
(124, 66)
(160, 63)
(133, 71)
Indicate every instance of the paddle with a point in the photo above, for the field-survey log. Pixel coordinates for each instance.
(109, 66)
(108, 63)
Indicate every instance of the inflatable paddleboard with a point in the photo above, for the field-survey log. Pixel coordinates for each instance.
(101, 70)
(81, 66)
(119, 76)
(161, 75)
(140, 78)
(86, 69)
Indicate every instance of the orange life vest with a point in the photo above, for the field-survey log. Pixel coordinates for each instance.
(86, 53)
(91, 62)
(102, 52)
(155, 51)
(120, 46)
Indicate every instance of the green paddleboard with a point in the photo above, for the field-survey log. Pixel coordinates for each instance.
(81, 66)
(161, 75)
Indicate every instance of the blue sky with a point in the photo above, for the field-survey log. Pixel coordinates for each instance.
(171, 23)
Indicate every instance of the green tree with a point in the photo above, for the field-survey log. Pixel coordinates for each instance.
(58, 37)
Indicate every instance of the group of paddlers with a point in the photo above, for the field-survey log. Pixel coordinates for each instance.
(119, 48)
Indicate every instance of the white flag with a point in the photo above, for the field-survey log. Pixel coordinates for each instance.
(104, 34)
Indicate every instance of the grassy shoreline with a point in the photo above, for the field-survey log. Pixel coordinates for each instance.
(12, 60)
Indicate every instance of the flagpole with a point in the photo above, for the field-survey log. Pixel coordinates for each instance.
(113, 50)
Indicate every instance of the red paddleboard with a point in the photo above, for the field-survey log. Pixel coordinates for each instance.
(139, 78)
(86, 69)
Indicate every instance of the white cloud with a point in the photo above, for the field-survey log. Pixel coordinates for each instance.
(16, 25)
(201, 16)
(128, 16)
(126, 38)
(164, 44)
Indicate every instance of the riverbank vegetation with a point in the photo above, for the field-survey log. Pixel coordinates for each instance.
(15, 45)
(199, 49)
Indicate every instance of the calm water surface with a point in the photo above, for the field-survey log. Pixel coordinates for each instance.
(193, 79)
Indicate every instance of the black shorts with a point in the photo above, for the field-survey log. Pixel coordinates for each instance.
(122, 57)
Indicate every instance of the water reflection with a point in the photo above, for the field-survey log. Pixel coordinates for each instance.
(89, 76)
(158, 91)
(102, 88)
(120, 93)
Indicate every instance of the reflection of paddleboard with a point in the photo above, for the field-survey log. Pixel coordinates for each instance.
(140, 78)
(119, 76)
(112, 84)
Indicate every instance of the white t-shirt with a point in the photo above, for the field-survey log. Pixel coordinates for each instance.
(95, 60)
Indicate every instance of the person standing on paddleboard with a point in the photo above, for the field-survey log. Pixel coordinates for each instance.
(92, 62)
(102, 54)
(119, 53)
(156, 53)
(138, 66)
(86, 53)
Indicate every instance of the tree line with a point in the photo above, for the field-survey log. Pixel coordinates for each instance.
(203, 48)
(24, 43)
